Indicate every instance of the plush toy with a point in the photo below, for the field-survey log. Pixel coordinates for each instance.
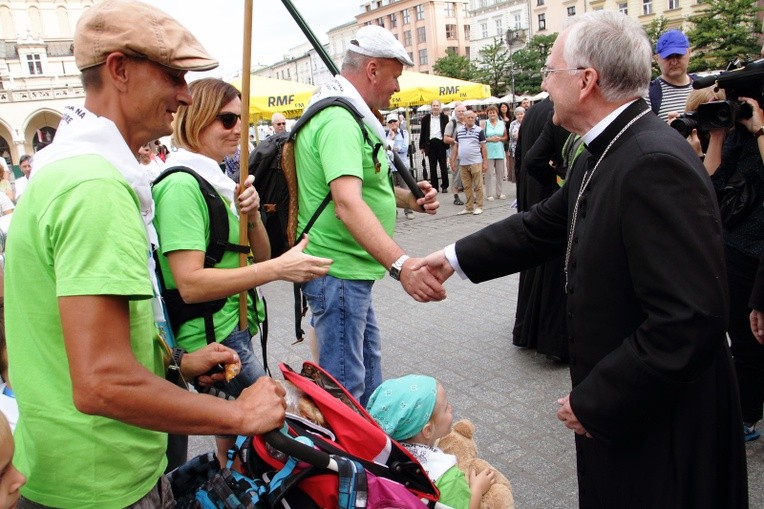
(460, 443)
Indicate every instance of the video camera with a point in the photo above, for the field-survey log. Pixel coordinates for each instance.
(736, 81)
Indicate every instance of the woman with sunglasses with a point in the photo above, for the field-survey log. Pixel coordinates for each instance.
(205, 132)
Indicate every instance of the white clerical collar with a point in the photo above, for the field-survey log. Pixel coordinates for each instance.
(602, 124)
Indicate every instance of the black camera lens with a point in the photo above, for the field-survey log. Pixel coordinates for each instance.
(685, 123)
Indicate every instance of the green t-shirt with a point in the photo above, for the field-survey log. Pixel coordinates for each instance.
(331, 145)
(183, 223)
(78, 231)
(454, 489)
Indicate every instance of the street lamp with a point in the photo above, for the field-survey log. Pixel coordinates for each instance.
(513, 36)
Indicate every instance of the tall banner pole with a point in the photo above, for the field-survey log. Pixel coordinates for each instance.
(246, 65)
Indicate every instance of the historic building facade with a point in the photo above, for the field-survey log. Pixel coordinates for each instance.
(38, 76)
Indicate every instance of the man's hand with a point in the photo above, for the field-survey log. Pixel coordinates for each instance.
(757, 325)
(429, 203)
(262, 407)
(196, 364)
(566, 415)
(436, 264)
(421, 284)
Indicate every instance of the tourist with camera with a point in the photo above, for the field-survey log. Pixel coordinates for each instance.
(735, 162)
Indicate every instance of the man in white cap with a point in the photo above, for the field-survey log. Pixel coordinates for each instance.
(332, 154)
(81, 319)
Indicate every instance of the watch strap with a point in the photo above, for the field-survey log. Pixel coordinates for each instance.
(759, 132)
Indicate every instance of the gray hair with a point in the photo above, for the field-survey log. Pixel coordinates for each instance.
(617, 47)
(519, 109)
(353, 61)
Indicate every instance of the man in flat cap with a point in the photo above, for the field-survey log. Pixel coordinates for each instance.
(88, 369)
(332, 154)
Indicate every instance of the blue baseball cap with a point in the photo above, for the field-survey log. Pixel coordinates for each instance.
(673, 42)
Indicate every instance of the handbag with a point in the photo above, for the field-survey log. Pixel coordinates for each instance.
(739, 197)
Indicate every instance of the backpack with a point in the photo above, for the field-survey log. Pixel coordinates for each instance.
(178, 311)
(273, 165)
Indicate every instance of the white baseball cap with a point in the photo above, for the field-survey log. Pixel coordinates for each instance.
(375, 41)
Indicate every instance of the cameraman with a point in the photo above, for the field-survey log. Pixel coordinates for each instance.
(742, 150)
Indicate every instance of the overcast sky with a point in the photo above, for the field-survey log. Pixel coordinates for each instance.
(219, 26)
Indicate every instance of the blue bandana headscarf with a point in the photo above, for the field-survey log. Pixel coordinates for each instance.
(402, 406)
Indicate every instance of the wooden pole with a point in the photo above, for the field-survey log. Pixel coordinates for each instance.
(246, 64)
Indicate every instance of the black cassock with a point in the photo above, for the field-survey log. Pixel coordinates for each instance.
(646, 316)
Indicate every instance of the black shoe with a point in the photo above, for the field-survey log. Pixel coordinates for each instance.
(444, 190)
(457, 201)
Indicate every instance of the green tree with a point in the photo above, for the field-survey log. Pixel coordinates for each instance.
(529, 61)
(724, 31)
(654, 30)
(454, 66)
(493, 66)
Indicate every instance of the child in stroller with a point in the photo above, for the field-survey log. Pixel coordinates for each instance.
(414, 410)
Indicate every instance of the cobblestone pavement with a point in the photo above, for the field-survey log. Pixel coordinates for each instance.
(508, 392)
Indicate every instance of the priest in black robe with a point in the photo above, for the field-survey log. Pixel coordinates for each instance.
(653, 402)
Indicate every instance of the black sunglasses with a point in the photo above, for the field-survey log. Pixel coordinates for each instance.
(280, 123)
(228, 120)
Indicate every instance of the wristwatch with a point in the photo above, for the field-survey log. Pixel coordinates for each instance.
(395, 269)
(758, 132)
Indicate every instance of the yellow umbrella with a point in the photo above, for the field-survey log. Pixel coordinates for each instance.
(268, 96)
(418, 88)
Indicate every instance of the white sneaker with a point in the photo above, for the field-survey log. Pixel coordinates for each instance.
(477, 212)
(409, 214)
(464, 211)
(502, 196)
(490, 198)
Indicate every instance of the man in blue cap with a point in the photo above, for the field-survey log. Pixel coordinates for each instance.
(668, 92)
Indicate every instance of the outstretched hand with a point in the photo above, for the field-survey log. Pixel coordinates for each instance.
(420, 283)
(298, 267)
(436, 264)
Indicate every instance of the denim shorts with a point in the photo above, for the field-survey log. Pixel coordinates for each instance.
(251, 368)
(349, 343)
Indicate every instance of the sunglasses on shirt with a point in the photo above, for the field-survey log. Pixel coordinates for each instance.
(229, 120)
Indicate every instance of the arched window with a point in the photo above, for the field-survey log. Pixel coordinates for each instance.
(64, 29)
(43, 137)
(7, 28)
(35, 22)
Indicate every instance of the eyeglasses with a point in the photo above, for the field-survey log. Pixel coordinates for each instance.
(279, 123)
(546, 71)
(229, 120)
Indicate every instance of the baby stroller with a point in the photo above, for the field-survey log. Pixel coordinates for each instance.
(330, 454)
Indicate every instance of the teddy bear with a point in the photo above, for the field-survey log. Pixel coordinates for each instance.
(460, 443)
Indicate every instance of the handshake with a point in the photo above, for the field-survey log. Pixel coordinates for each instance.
(423, 278)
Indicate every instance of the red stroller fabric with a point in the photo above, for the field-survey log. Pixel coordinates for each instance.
(390, 466)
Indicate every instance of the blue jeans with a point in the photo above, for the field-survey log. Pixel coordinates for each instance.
(241, 342)
(349, 344)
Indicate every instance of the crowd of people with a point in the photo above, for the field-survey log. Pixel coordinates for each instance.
(638, 305)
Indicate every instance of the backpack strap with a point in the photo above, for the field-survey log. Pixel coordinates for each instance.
(300, 307)
(179, 311)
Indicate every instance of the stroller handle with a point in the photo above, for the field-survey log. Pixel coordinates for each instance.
(300, 451)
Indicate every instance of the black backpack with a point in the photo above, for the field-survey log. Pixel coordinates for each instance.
(273, 165)
(178, 311)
